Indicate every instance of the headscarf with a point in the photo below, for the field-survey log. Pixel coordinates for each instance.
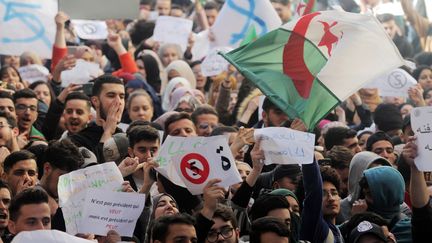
(35, 59)
(171, 86)
(152, 72)
(177, 95)
(184, 70)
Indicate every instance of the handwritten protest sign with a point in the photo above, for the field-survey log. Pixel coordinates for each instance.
(286, 146)
(72, 189)
(47, 236)
(173, 30)
(27, 25)
(214, 63)
(192, 162)
(394, 84)
(201, 46)
(421, 123)
(90, 30)
(100, 9)
(81, 73)
(34, 72)
(106, 210)
(237, 18)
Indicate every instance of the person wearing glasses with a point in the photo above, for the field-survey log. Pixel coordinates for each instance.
(225, 227)
(206, 119)
(26, 107)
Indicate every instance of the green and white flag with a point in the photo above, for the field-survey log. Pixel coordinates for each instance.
(308, 66)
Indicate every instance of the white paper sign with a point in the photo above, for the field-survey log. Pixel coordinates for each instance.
(27, 25)
(72, 189)
(90, 30)
(192, 162)
(421, 123)
(429, 10)
(47, 236)
(100, 9)
(286, 146)
(106, 210)
(34, 72)
(81, 73)
(394, 84)
(237, 17)
(201, 47)
(173, 30)
(214, 63)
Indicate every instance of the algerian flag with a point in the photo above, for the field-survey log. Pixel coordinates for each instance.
(308, 66)
(304, 7)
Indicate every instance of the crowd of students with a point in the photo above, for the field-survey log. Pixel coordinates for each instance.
(363, 185)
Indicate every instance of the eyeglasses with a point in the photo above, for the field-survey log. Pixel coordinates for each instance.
(205, 126)
(22, 107)
(226, 232)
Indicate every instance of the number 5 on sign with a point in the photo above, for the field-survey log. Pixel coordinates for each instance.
(27, 25)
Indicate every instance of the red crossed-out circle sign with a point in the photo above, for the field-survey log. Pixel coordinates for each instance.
(195, 168)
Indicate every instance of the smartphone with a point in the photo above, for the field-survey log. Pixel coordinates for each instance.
(88, 89)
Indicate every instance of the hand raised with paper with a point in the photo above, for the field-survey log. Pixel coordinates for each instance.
(115, 42)
(66, 63)
(409, 152)
(212, 195)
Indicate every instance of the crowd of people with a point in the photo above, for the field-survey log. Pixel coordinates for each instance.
(363, 185)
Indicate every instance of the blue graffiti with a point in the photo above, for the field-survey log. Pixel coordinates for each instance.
(28, 19)
(250, 15)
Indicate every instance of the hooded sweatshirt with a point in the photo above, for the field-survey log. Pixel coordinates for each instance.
(359, 163)
(387, 189)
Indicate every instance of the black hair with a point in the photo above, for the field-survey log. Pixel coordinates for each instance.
(267, 224)
(76, 95)
(211, 5)
(203, 110)
(336, 136)
(5, 68)
(223, 129)
(33, 195)
(142, 133)
(104, 79)
(194, 63)
(378, 136)
(383, 18)
(329, 174)
(33, 86)
(266, 203)
(141, 31)
(39, 152)
(64, 155)
(226, 214)
(15, 157)
(160, 229)
(268, 104)
(416, 73)
(24, 93)
(6, 95)
(423, 58)
(174, 118)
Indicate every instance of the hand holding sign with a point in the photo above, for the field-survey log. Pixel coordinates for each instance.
(213, 194)
(421, 118)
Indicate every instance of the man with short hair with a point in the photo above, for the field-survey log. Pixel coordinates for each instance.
(225, 227)
(269, 229)
(272, 115)
(20, 171)
(180, 124)
(174, 228)
(8, 132)
(340, 159)
(205, 118)
(271, 205)
(342, 136)
(108, 99)
(61, 157)
(283, 9)
(381, 144)
(77, 112)
(29, 211)
(26, 106)
(5, 199)
(211, 11)
(163, 7)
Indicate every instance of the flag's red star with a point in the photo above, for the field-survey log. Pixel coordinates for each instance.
(328, 38)
(299, 7)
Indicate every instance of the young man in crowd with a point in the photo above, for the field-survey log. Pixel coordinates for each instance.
(26, 106)
(108, 99)
(5, 200)
(180, 124)
(342, 136)
(176, 228)
(381, 144)
(225, 227)
(269, 229)
(29, 210)
(7, 104)
(20, 171)
(205, 118)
